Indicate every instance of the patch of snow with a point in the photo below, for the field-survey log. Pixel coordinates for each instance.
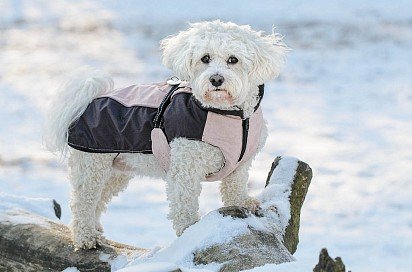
(115, 264)
(40, 206)
(151, 267)
(119, 262)
(16, 216)
(199, 269)
(277, 193)
(212, 229)
(71, 269)
(296, 266)
(23, 210)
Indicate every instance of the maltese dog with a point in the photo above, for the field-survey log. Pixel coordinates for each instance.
(205, 124)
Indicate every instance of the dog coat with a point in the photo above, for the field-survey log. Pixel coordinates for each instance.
(146, 118)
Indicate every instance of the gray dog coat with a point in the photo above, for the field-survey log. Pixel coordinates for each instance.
(146, 118)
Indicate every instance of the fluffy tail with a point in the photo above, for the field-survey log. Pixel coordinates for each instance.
(70, 101)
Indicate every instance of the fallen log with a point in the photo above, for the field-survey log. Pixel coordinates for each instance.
(274, 232)
(269, 236)
(48, 247)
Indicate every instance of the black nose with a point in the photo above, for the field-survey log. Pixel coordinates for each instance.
(216, 80)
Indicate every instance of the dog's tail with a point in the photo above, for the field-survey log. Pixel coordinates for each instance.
(69, 102)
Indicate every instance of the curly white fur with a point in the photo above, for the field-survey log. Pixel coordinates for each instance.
(260, 59)
(96, 178)
(78, 91)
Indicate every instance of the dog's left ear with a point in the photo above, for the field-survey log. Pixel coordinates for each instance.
(268, 57)
(177, 54)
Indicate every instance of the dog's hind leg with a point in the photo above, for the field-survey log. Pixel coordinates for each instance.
(88, 173)
(113, 186)
(126, 166)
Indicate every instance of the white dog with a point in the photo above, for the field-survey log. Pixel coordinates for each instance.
(225, 66)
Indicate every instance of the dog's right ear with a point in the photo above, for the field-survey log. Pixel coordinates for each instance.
(177, 54)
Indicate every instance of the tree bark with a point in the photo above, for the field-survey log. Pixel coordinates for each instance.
(31, 247)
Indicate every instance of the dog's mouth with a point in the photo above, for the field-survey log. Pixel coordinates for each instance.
(218, 94)
(218, 90)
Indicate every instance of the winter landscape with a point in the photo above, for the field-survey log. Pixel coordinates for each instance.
(343, 104)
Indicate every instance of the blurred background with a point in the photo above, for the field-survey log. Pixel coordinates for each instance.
(343, 104)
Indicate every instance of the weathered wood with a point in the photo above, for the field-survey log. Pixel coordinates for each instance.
(259, 247)
(31, 247)
(299, 190)
(327, 264)
(246, 251)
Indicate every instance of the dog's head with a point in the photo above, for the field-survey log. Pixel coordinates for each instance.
(224, 62)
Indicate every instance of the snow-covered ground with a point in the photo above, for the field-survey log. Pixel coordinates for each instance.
(343, 104)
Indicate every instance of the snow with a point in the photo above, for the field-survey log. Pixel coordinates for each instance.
(16, 216)
(283, 267)
(71, 269)
(152, 267)
(213, 228)
(23, 210)
(40, 206)
(116, 263)
(278, 191)
(160, 267)
(342, 104)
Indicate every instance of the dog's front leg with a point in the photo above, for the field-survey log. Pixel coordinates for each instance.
(234, 189)
(183, 191)
(183, 187)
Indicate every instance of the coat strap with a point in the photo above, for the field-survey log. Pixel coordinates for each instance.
(163, 105)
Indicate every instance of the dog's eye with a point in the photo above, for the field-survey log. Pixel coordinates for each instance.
(232, 60)
(205, 59)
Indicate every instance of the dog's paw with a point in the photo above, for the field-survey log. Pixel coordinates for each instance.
(180, 231)
(88, 243)
(182, 226)
(99, 227)
(88, 240)
(252, 204)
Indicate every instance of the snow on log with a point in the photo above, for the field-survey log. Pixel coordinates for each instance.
(228, 239)
(271, 235)
(31, 240)
(46, 207)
